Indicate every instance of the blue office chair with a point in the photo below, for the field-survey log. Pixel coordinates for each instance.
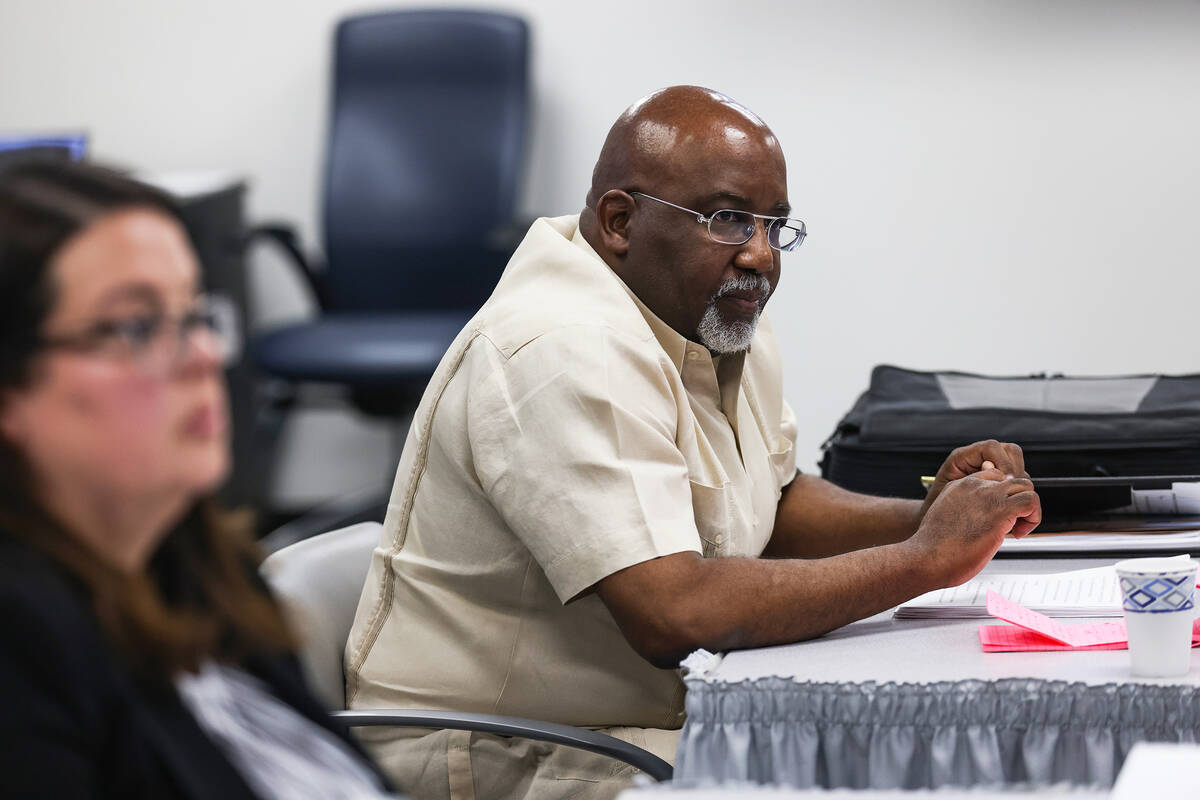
(426, 144)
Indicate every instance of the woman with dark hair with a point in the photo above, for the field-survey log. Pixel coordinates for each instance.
(140, 654)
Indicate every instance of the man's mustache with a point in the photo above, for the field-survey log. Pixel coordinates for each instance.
(749, 287)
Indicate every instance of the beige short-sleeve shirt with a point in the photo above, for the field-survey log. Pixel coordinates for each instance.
(567, 434)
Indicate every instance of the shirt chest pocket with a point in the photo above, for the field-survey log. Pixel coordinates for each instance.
(783, 465)
(712, 509)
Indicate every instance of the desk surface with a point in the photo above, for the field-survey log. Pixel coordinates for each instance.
(908, 704)
(883, 649)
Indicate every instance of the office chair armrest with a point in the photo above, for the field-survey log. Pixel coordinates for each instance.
(580, 738)
(284, 236)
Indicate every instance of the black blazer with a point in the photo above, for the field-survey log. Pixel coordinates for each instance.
(74, 723)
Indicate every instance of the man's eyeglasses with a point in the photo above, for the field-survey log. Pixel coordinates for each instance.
(155, 341)
(732, 226)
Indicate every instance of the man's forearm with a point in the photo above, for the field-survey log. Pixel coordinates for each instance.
(751, 602)
(816, 519)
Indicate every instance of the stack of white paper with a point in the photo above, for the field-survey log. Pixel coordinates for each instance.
(1079, 593)
(1147, 542)
(1181, 498)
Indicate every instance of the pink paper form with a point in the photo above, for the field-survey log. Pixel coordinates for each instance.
(1085, 635)
(1011, 639)
(1032, 631)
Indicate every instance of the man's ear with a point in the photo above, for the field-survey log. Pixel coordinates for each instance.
(614, 212)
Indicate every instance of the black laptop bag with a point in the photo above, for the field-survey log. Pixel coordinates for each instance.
(907, 422)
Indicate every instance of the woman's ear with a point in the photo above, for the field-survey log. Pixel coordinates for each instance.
(614, 213)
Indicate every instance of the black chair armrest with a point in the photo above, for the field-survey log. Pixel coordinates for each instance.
(580, 738)
(284, 236)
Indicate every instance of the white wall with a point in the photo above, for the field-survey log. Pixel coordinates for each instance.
(1004, 186)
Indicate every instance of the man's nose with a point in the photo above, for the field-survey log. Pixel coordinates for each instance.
(757, 254)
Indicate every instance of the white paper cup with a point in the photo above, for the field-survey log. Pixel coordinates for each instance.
(1159, 598)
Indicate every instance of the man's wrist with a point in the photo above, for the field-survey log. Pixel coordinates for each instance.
(920, 569)
(919, 507)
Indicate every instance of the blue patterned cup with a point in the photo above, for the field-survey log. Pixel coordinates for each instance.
(1159, 598)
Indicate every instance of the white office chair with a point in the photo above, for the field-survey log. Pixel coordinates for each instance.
(319, 581)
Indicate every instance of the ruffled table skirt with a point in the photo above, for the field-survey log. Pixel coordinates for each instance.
(914, 736)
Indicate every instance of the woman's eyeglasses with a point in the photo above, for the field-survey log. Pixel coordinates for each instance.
(155, 341)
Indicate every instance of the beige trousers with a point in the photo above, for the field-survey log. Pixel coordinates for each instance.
(460, 765)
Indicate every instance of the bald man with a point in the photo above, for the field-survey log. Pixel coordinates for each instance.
(601, 479)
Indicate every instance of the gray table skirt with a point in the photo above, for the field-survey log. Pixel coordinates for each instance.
(914, 736)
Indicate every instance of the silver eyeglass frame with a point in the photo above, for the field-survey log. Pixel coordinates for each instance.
(767, 220)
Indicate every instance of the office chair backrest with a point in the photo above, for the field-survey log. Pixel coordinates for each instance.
(319, 581)
(425, 153)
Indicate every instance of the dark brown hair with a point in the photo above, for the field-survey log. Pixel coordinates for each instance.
(199, 596)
